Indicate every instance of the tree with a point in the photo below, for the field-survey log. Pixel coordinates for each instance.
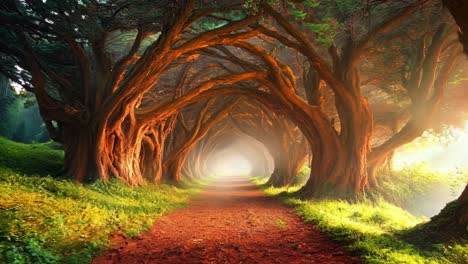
(90, 98)
(7, 99)
(452, 221)
(341, 163)
(458, 10)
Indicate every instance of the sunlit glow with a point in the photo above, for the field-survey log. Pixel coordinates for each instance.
(17, 88)
(230, 164)
(440, 154)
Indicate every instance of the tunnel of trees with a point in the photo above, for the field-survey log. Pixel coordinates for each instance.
(150, 91)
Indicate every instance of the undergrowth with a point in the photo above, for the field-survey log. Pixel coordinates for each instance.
(408, 185)
(373, 230)
(418, 189)
(47, 220)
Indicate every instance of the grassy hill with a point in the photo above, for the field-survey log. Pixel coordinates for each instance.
(41, 159)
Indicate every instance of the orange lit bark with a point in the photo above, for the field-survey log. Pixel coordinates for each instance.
(339, 165)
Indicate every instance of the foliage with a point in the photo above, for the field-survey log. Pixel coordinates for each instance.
(374, 231)
(405, 186)
(20, 120)
(324, 27)
(45, 220)
(325, 31)
(251, 6)
(210, 23)
(345, 8)
(302, 177)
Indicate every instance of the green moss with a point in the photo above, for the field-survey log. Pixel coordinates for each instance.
(374, 230)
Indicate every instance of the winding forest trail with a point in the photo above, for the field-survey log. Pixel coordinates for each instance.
(230, 222)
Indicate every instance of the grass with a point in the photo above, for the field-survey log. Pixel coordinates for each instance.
(47, 220)
(40, 159)
(374, 230)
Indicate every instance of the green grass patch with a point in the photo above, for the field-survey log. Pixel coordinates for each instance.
(41, 159)
(373, 230)
(47, 220)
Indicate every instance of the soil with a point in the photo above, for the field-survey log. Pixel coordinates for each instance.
(229, 222)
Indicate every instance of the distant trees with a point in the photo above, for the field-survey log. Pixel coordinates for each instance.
(283, 140)
(207, 117)
(6, 101)
(19, 116)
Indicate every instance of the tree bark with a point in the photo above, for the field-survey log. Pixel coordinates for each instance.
(463, 205)
(459, 9)
(451, 224)
(80, 150)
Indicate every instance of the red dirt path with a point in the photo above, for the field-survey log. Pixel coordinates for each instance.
(230, 222)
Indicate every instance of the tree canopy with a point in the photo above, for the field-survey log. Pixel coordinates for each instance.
(132, 88)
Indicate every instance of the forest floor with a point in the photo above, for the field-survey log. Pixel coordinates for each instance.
(231, 221)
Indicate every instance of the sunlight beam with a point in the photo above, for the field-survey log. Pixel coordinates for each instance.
(440, 153)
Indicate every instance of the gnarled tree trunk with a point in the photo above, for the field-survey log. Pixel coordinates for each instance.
(80, 151)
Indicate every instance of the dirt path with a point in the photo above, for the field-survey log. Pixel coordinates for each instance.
(230, 222)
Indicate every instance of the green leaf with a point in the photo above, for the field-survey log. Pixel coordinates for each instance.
(311, 3)
(298, 14)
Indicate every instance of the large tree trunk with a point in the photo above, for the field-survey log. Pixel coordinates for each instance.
(355, 136)
(151, 162)
(459, 9)
(175, 161)
(328, 177)
(173, 170)
(281, 173)
(339, 164)
(450, 224)
(80, 149)
(463, 207)
(280, 176)
(287, 166)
